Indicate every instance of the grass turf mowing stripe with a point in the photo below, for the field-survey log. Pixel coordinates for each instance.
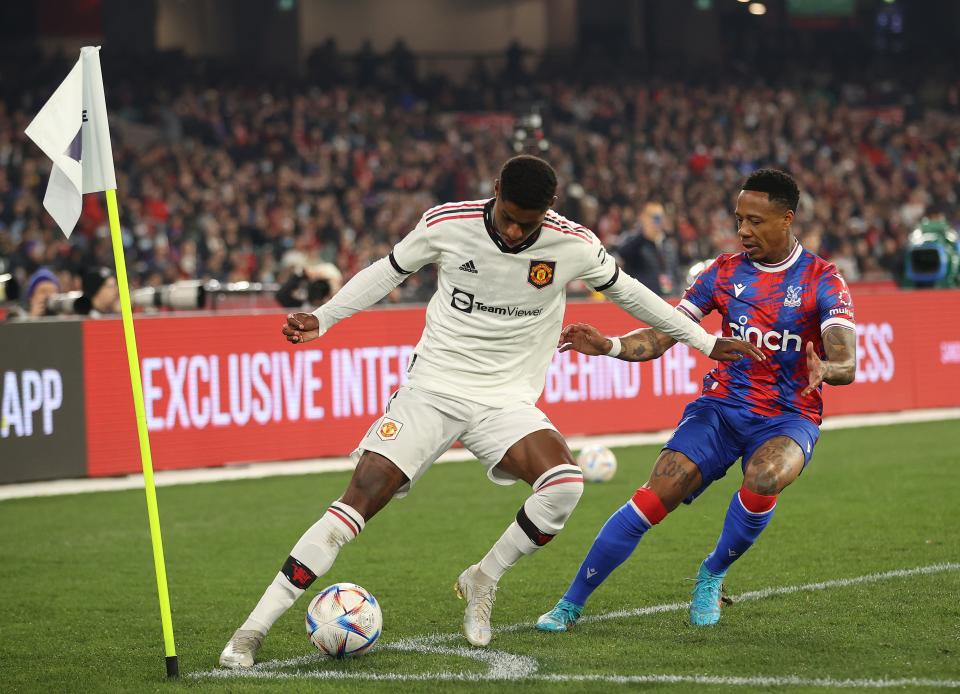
(507, 666)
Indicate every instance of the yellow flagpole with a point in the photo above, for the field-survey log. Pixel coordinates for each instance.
(133, 360)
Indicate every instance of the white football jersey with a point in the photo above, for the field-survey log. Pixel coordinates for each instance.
(492, 326)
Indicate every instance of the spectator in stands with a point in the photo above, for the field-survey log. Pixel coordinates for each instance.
(226, 179)
(41, 286)
(641, 252)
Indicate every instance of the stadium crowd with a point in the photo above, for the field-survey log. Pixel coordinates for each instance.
(230, 179)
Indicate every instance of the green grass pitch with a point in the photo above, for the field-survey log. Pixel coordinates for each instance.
(79, 610)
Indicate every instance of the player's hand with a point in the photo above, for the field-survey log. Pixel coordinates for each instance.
(584, 339)
(301, 327)
(730, 349)
(817, 368)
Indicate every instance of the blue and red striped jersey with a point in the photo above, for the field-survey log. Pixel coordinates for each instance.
(779, 308)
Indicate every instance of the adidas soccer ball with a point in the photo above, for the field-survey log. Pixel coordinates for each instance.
(598, 463)
(343, 620)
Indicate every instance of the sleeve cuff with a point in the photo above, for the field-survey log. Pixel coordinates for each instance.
(319, 313)
(836, 320)
(711, 343)
(691, 310)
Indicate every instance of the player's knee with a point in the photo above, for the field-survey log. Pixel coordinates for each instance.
(555, 496)
(766, 478)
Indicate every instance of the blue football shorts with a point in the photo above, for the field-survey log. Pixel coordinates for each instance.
(714, 434)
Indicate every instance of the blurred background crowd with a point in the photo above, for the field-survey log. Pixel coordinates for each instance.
(237, 175)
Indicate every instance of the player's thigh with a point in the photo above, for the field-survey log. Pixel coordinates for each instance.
(674, 478)
(514, 444)
(779, 450)
(416, 428)
(707, 437)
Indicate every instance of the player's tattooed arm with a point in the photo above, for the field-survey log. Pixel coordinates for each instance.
(644, 344)
(840, 366)
(640, 345)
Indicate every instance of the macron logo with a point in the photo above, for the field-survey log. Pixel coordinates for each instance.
(469, 267)
(738, 288)
(591, 573)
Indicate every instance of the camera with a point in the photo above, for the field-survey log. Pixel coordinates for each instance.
(186, 295)
(933, 255)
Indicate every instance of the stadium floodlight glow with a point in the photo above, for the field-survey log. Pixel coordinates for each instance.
(757, 8)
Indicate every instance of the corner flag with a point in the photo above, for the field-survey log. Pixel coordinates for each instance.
(72, 130)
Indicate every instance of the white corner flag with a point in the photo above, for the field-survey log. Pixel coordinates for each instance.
(72, 130)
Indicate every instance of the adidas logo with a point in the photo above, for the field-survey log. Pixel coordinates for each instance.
(469, 267)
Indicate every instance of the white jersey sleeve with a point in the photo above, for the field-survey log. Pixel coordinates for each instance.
(373, 283)
(602, 273)
(415, 250)
(363, 290)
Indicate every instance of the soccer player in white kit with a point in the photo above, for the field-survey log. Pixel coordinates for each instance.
(490, 333)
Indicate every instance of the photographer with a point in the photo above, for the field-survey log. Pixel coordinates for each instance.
(100, 294)
(40, 287)
(309, 286)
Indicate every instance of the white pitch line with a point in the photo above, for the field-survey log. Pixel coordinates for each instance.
(744, 597)
(758, 681)
(510, 667)
(787, 681)
(169, 478)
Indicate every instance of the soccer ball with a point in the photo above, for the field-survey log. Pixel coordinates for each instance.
(343, 620)
(598, 463)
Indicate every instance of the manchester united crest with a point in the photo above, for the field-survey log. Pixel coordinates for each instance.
(389, 428)
(541, 273)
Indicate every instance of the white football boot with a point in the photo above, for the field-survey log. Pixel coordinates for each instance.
(480, 592)
(241, 649)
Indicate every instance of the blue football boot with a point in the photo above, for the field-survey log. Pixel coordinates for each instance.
(561, 618)
(707, 598)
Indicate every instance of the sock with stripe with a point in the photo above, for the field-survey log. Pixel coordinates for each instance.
(544, 513)
(615, 542)
(747, 516)
(312, 556)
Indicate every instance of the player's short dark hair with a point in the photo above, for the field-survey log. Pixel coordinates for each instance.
(779, 187)
(528, 182)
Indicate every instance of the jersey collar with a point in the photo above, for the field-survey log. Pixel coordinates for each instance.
(495, 237)
(783, 264)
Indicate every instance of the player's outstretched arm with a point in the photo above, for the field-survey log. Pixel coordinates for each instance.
(640, 345)
(363, 290)
(840, 366)
(644, 344)
(640, 302)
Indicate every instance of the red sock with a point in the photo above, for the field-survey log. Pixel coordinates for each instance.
(756, 503)
(649, 505)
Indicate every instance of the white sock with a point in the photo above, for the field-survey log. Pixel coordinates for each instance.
(555, 495)
(506, 552)
(312, 556)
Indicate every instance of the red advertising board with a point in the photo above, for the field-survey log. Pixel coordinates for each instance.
(224, 389)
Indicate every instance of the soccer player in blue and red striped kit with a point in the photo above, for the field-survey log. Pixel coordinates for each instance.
(794, 306)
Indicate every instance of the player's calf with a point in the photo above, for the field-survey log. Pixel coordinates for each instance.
(747, 516)
(312, 556)
(555, 495)
(615, 542)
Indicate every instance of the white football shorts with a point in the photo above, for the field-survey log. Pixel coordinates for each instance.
(418, 427)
